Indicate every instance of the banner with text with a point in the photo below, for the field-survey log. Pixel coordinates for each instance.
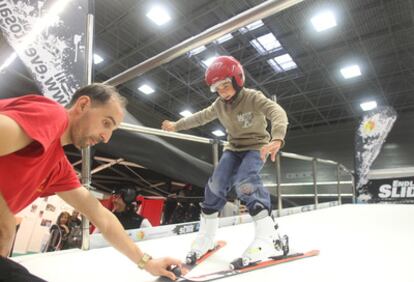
(49, 37)
(393, 190)
(369, 138)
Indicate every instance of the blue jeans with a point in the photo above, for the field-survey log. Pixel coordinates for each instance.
(239, 170)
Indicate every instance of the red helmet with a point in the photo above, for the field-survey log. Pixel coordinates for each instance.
(222, 68)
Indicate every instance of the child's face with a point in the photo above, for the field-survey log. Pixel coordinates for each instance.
(226, 90)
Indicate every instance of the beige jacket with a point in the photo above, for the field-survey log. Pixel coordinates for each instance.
(244, 120)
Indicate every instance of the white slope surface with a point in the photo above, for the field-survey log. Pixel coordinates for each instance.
(357, 243)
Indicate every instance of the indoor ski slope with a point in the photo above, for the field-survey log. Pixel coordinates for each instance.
(357, 243)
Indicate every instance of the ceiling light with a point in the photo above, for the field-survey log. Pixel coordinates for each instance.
(266, 43)
(283, 62)
(197, 50)
(251, 26)
(286, 62)
(218, 133)
(97, 59)
(208, 61)
(186, 113)
(323, 21)
(224, 38)
(274, 65)
(351, 71)
(146, 89)
(158, 15)
(367, 106)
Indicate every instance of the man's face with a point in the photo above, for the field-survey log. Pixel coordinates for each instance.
(226, 90)
(95, 123)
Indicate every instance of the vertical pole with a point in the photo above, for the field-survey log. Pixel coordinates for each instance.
(278, 175)
(86, 152)
(315, 185)
(215, 153)
(278, 187)
(353, 189)
(338, 184)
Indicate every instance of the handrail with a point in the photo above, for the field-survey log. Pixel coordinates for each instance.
(308, 183)
(296, 156)
(261, 11)
(159, 132)
(279, 185)
(319, 195)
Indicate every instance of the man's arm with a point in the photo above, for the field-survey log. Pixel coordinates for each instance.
(12, 136)
(12, 139)
(7, 228)
(83, 201)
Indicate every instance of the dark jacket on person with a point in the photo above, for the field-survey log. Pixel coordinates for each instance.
(129, 219)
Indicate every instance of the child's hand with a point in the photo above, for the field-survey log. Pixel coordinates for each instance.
(168, 125)
(272, 148)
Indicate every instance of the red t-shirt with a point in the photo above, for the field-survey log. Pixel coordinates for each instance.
(41, 168)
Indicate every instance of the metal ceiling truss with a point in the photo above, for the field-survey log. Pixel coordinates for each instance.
(311, 94)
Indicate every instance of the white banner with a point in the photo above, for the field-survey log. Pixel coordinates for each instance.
(369, 138)
(49, 37)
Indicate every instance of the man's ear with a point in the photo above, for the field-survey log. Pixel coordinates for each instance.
(83, 103)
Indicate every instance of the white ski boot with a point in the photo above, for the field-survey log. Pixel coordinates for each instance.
(266, 244)
(204, 241)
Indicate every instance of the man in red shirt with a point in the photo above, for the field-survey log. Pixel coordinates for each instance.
(33, 130)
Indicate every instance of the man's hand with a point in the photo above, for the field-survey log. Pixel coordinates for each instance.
(272, 148)
(158, 267)
(83, 201)
(168, 125)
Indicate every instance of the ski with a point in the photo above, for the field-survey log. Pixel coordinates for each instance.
(232, 272)
(218, 246)
(188, 267)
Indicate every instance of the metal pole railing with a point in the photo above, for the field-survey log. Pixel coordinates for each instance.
(215, 153)
(86, 178)
(159, 132)
(296, 156)
(258, 12)
(353, 189)
(338, 185)
(315, 184)
(278, 182)
(334, 195)
(215, 147)
(326, 161)
(294, 184)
